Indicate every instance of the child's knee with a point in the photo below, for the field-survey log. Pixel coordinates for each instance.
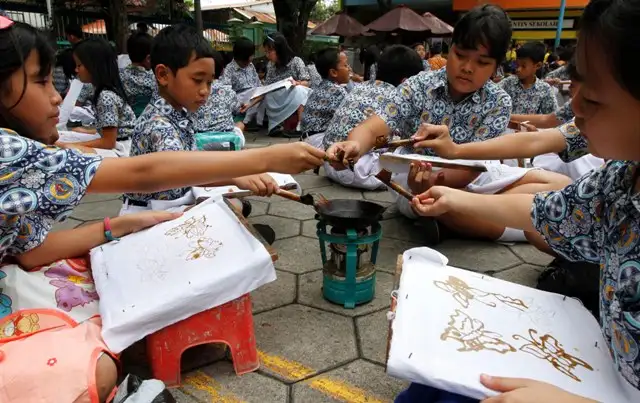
(554, 180)
(106, 376)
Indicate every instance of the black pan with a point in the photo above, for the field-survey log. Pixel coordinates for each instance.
(347, 214)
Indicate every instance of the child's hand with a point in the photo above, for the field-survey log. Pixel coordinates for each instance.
(244, 108)
(436, 201)
(340, 153)
(421, 177)
(131, 223)
(437, 138)
(516, 390)
(260, 185)
(293, 158)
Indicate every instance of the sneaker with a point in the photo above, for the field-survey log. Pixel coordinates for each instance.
(276, 131)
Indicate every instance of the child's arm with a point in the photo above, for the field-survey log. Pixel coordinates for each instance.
(547, 121)
(512, 145)
(106, 142)
(78, 241)
(175, 169)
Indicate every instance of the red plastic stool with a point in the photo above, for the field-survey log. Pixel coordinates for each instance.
(231, 324)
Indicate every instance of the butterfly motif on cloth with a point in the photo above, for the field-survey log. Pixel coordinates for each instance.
(191, 228)
(473, 336)
(463, 294)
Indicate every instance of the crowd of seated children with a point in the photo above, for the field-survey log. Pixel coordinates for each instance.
(529, 95)
(51, 182)
(137, 78)
(462, 99)
(422, 52)
(396, 64)
(327, 96)
(279, 105)
(96, 64)
(597, 218)
(243, 77)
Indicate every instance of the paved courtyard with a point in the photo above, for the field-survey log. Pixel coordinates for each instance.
(312, 350)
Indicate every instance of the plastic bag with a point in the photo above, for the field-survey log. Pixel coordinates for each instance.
(135, 390)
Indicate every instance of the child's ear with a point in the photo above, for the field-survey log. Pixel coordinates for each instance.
(538, 65)
(333, 73)
(163, 74)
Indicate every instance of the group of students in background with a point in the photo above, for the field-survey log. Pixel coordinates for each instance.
(450, 107)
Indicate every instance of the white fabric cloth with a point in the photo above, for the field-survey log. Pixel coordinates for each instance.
(363, 175)
(165, 205)
(315, 140)
(279, 105)
(69, 103)
(83, 114)
(574, 169)
(122, 149)
(283, 180)
(155, 278)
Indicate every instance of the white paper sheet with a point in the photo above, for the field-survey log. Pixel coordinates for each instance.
(265, 89)
(219, 191)
(451, 325)
(152, 279)
(400, 163)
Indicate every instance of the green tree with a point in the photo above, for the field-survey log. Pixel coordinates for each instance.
(293, 17)
(323, 11)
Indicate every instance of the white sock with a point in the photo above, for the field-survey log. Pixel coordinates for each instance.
(512, 235)
(299, 127)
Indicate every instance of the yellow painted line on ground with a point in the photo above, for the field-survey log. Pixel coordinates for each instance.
(204, 383)
(294, 371)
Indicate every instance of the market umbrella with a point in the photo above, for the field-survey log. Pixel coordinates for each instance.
(400, 18)
(436, 25)
(340, 24)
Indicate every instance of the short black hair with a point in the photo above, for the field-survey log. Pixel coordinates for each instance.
(436, 48)
(243, 49)
(279, 43)
(398, 63)
(566, 53)
(219, 64)
(142, 27)
(75, 30)
(327, 59)
(174, 46)
(139, 46)
(534, 51)
(487, 26)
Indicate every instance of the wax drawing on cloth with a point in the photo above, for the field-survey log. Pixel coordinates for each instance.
(464, 294)
(195, 229)
(547, 347)
(473, 336)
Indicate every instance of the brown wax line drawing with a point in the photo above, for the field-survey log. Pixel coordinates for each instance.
(464, 294)
(548, 348)
(473, 336)
(203, 247)
(190, 229)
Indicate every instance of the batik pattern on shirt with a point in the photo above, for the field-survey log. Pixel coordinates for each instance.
(295, 68)
(86, 94)
(373, 72)
(597, 219)
(322, 104)
(113, 111)
(138, 82)
(538, 99)
(366, 99)
(39, 185)
(565, 112)
(60, 81)
(316, 78)
(217, 114)
(424, 98)
(561, 73)
(240, 78)
(577, 145)
(426, 66)
(162, 128)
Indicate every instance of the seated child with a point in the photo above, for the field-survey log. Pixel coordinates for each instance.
(216, 115)
(96, 64)
(422, 52)
(137, 78)
(52, 181)
(596, 218)
(327, 95)
(467, 104)
(529, 95)
(436, 61)
(279, 105)
(241, 74)
(396, 64)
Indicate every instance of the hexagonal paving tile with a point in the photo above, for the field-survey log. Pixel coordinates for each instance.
(340, 192)
(283, 227)
(297, 342)
(99, 197)
(309, 228)
(530, 254)
(298, 255)
(380, 195)
(219, 383)
(69, 223)
(359, 381)
(308, 182)
(482, 257)
(524, 274)
(403, 229)
(278, 293)
(388, 253)
(391, 212)
(310, 293)
(291, 209)
(258, 208)
(97, 210)
(372, 331)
